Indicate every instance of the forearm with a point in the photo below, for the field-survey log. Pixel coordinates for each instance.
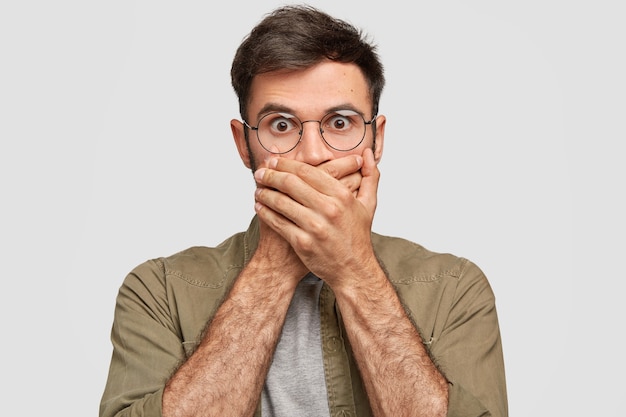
(398, 373)
(225, 375)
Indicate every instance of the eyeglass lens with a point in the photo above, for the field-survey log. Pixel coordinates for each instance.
(280, 132)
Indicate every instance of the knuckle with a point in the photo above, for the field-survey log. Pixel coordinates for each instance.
(268, 176)
(319, 230)
(290, 182)
(333, 211)
(316, 229)
(344, 196)
(304, 244)
(332, 171)
(304, 170)
(283, 204)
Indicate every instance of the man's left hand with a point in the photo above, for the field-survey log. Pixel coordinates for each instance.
(326, 221)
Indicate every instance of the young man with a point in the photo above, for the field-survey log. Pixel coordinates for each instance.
(307, 313)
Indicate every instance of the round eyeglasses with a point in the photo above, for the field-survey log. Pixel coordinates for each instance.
(280, 132)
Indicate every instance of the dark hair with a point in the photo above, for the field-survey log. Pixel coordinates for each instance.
(297, 37)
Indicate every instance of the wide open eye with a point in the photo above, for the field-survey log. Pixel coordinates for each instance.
(342, 121)
(279, 124)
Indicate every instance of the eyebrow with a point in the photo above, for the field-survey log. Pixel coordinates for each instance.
(276, 107)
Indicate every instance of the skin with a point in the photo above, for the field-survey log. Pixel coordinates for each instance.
(316, 207)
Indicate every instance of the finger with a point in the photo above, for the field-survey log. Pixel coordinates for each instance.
(302, 182)
(368, 190)
(352, 181)
(341, 167)
(282, 214)
(290, 196)
(273, 219)
(288, 183)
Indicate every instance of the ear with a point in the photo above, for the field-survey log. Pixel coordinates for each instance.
(380, 137)
(237, 129)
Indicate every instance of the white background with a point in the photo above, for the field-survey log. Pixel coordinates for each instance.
(504, 145)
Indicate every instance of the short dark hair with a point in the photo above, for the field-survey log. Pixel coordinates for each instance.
(298, 37)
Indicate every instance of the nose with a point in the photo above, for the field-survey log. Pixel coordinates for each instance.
(312, 148)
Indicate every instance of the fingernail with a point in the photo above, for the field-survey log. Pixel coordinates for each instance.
(272, 162)
(259, 173)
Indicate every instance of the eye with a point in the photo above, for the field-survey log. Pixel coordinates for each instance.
(341, 120)
(280, 123)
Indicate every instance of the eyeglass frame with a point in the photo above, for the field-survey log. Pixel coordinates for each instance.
(372, 122)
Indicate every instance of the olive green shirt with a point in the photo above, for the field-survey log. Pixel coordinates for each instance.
(164, 305)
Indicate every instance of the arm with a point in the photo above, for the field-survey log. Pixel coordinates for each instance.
(398, 373)
(330, 230)
(228, 367)
(149, 344)
(225, 374)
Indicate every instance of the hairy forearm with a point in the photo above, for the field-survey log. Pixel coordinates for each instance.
(399, 375)
(225, 375)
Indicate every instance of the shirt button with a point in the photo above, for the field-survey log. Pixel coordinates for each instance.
(333, 345)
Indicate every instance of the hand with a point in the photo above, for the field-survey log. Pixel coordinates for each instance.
(275, 248)
(326, 221)
(275, 254)
(347, 170)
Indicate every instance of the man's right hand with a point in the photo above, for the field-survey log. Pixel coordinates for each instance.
(347, 170)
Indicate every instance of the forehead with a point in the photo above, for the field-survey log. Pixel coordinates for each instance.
(311, 92)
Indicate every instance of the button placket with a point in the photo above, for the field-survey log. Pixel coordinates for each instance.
(336, 362)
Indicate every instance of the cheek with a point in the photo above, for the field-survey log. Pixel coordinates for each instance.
(368, 142)
(258, 155)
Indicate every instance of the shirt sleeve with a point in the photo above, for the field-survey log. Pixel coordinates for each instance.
(147, 346)
(469, 349)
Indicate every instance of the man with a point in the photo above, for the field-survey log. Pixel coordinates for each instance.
(307, 313)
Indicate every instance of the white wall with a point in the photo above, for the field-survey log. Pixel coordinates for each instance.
(506, 120)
